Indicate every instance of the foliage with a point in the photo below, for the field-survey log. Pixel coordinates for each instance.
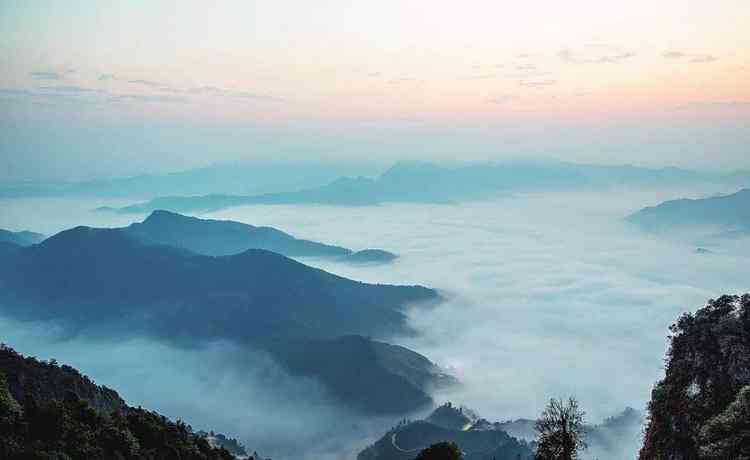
(8, 404)
(727, 435)
(441, 451)
(708, 363)
(43, 426)
(561, 431)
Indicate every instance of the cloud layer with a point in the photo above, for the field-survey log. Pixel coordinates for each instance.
(548, 295)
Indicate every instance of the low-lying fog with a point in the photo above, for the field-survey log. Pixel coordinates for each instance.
(548, 295)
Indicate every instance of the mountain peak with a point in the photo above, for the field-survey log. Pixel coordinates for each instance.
(76, 236)
(162, 215)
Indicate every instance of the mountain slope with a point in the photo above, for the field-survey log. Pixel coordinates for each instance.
(24, 238)
(699, 409)
(406, 440)
(50, 411)
(729, 210)
(223, 237)
(109, 280)
(253, 294)
(370, 256)
(376, 376)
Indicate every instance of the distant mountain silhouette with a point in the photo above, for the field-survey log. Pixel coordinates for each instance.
(24, 238)
(224, 237)
(344, 191)
(371, 256)
(110, 279)
(244, 177)
(729, 210)
(614, 439)
(431, 183)
(406, 440)
(51, 411)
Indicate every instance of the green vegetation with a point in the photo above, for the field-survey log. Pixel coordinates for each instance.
(474, 437)
(34, 424)
(701, 409)
(728, 434)
(441, 451)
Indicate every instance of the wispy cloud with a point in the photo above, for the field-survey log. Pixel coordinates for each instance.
(46, 75)
(149, 83)
(703, 58)
(609, 57)
(717, 105)
(15, 92)
(537, 83)
(691, 57)
(673, 54)
(69, 89)
(208, 90)
(147, 98)
(527, 67)
(257, 97)
(482, 76)
(503, 100)
(400, 80)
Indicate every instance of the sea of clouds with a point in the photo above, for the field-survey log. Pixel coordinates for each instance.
(547, 295)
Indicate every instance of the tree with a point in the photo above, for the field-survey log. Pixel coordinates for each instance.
(560, 430)
(727, 435)
(8, 405)
(441, 451)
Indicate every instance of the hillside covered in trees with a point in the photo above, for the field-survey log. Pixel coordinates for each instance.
(49, 411)
(477, 439)
(701, 409)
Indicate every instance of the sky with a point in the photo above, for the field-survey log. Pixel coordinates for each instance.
(111, 88)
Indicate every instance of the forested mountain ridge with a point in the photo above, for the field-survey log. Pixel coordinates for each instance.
(701, 409)
(110, 280)
(49, 411)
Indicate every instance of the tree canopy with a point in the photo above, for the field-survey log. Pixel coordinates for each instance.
(561, 431)
(441, 451)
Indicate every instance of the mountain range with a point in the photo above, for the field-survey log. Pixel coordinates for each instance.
(731, 211)
(245, 177)
(111, 279)
(432, 183)
(23, 238)
(224, 237)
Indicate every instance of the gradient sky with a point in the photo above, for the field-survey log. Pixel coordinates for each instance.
(112, 88)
